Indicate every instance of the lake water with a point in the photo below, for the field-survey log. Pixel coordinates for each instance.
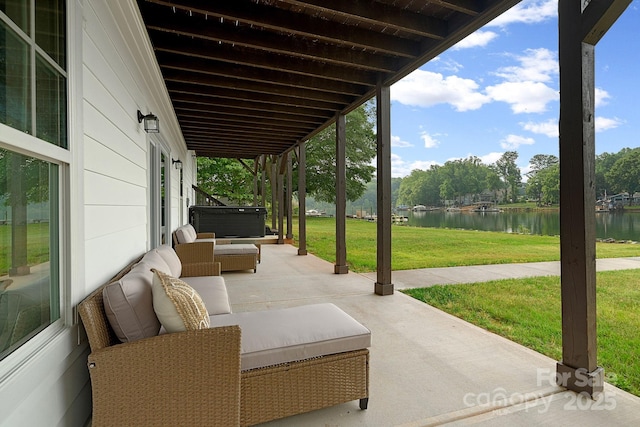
(619, 226)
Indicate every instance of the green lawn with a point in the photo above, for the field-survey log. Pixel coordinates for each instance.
(527, 311)
(530, 316)
(37, 245)
(417, 247)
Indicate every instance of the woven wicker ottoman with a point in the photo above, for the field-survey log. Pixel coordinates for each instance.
(237, 256)
(299, 359)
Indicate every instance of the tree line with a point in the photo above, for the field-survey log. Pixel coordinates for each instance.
(461, 179)
(615, 173)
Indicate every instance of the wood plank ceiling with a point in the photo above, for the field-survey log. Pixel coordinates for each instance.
(253, 77)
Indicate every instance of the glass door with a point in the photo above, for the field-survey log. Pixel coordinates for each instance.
(159, 195)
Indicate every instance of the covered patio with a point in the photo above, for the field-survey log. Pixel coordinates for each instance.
(256, 79)
(253, 80)
(427, 367)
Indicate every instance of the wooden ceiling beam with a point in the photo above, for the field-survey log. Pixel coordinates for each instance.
(199, 48)
(215, 117)
(241, 95)
(182, 107)
(235, 84)
(197, 26)
(191, 123)
(229, 145)
(232, 149)
(375, 13)
(194, 135)
(469, 7)
(209, 101)
(224, 69)
(236, 139)
(251, 13)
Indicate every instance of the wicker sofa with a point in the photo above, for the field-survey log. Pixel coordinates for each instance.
(232, 257)
(230, 374)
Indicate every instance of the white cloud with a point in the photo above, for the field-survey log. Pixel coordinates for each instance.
(548, 128)
(536, 65)
(525, 88)
(448, 65)
(429, 141)
(478, 39)
(423, 164)
(491, 158)
(487, 159)
(512, 142)
(602, 97)
(425, 89)
(524, 97)
(528, 12)
(396, 141)
(604, 123)
(401, 168)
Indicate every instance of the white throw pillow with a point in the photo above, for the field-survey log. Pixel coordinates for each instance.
(177, 305)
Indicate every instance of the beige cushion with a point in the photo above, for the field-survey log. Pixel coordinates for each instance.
(192, 232)
(236, 249)
(271, 337)
(154, 260)
(171, 258)
(128, 304)
(177, 305)
(184, 235)
(213, 292)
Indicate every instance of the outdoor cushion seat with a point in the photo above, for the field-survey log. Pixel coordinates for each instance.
(232, 257)
(188, 234)
(213, 291)
(128, 300)
(263, 365)
(236, 249)
(273, 337)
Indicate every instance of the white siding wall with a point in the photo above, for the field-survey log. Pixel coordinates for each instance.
(115, 75)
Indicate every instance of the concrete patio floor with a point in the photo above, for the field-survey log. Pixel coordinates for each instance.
(428, 367)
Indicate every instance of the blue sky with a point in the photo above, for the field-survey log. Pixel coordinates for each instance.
(497, 90)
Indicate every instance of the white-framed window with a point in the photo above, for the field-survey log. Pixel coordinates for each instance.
(33, 77)
(33, 117)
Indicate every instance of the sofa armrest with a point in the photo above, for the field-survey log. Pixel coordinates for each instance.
(185, 378)
(195, 252)
(205, 235)
(196, 269)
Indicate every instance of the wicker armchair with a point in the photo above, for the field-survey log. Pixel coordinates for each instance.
(204, 249)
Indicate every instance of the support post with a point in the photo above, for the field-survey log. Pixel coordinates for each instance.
(341, 266)
(274, 191)
(578, 369)
(280, 185)
(256, 164)
(383, 284)
(289, 197)
(263, 185)
(302, 195)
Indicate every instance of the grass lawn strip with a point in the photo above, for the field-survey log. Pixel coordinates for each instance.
(528, 312)
(418, 247)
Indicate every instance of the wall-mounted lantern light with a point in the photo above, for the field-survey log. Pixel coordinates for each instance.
(151, 122)
(177, 164)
